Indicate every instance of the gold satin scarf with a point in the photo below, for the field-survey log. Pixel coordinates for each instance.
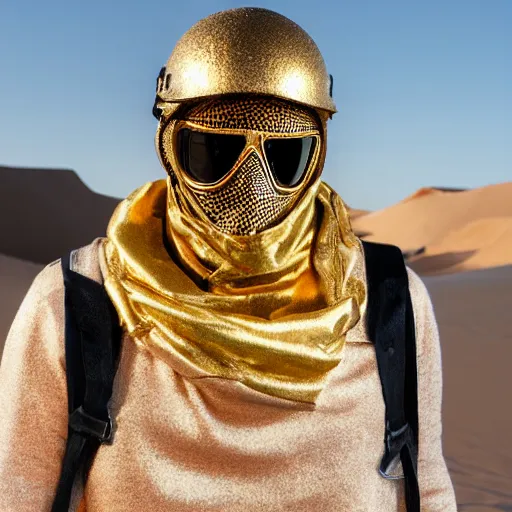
(269, 310)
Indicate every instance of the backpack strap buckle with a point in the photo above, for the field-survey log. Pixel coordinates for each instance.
(83, 422)
(394, 441)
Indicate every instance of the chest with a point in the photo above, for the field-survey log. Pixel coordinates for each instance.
(210, 444)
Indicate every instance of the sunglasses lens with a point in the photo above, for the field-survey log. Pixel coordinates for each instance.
(208, 157)
(289, 158)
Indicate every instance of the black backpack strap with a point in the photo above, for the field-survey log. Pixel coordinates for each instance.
(391, 327)
(92, 343)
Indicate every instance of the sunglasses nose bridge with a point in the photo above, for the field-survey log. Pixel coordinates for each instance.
(254, 142)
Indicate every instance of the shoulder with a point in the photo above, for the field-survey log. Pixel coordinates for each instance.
(419, 294)
(49, 283)
(38, 325)
(427, 334)
(422, 304)
(34, 348)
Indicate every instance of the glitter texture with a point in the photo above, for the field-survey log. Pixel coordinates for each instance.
(248, 50)
(211, 444)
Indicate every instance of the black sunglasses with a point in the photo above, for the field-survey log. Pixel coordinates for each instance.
(207, 157)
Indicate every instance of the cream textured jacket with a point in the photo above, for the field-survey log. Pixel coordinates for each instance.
(210, 444)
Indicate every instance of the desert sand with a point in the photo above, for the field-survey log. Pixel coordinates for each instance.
(473, 309)
(460, 241)
(431, 214)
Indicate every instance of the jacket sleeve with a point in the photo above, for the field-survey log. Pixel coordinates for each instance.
(436, 489)
(33, 398)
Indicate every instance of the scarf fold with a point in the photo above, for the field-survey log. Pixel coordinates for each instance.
(273, 308)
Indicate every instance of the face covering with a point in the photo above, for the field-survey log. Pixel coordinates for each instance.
(269, 309)
(242, 164)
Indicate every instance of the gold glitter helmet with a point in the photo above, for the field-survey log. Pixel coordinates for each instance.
(251, 85)
(246, 51)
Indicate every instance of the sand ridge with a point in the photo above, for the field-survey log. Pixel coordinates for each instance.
(456, 230)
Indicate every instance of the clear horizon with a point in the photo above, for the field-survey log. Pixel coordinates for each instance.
(423, 92)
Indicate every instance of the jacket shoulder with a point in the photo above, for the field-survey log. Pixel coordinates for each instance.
(85, 260)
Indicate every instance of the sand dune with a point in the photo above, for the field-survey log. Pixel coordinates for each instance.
(425, 217)
(427, 191)
(483, 243)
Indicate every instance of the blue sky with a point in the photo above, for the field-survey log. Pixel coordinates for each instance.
(423, 89)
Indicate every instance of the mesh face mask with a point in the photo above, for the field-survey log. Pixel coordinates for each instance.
(245, 162)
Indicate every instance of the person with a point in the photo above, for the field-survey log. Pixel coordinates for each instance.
(246, 379)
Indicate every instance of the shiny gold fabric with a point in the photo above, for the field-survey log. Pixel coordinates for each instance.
(210, 444)
(277, 304)
(246, 51)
